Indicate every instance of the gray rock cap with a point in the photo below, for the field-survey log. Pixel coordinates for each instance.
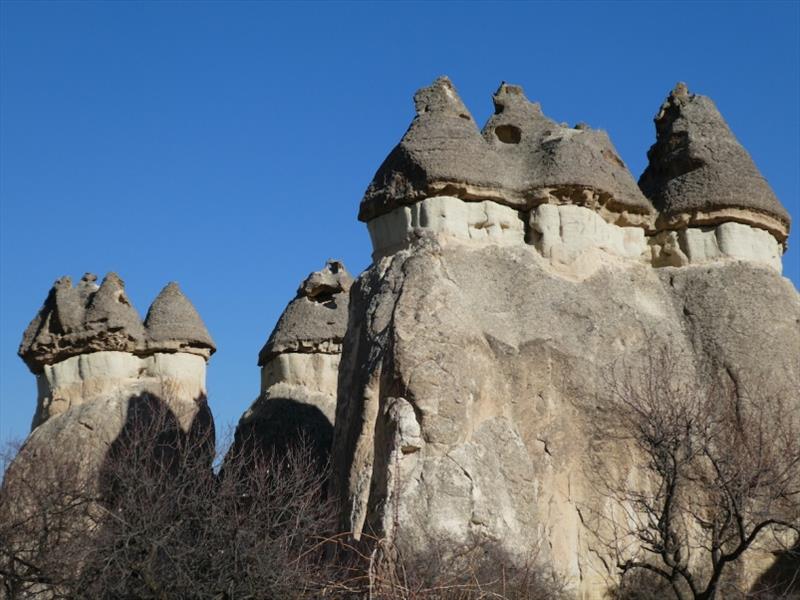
(551, 162)
(442, 151)
(174, 325)
(316, 320)
(699, 174)
(85, 318)
(521, 158)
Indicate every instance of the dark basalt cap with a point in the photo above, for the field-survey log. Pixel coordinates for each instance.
(85, 318)
(316, 316)
(698, 172)
(520, 158)
(174, 325)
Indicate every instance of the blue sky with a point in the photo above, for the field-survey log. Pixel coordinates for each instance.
(227, 145)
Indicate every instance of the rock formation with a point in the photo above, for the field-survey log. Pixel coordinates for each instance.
(462, 376)
(512, 271)
(88, 343)
(99, 369)
(300, 366)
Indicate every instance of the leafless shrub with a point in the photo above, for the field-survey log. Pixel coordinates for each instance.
(719, 472)
(480, 572)
(156, 522)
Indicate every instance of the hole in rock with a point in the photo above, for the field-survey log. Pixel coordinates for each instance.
(508, 134)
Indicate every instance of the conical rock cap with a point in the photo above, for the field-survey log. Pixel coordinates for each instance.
(547, 161)
(520, 159)
(81, 319)
(316, 320)
(442, 150)
(173, 324)
(699, 173)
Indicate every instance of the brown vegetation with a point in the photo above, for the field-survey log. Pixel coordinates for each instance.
(159, 522)
(718, 474)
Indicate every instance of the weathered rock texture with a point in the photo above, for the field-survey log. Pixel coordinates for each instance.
(520, 159)
(300, 366)
(471, 379)
(512, 271)
(699, 174)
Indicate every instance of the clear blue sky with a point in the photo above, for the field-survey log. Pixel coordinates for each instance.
(227, 145)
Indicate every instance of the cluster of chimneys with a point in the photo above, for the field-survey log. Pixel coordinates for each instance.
(698, 173)
(90, 318)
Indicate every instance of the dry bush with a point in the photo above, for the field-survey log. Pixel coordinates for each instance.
(157, 522)
(480, 572)
(719, 472)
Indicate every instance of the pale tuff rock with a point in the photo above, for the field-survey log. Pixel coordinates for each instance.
(302, 377)
(699, 174)
(521, 159)
(565, 232)
(173, 324)
(446, 217)
(98, 376)
(731, 240)
(472, 377)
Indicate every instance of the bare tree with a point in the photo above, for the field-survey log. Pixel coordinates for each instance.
(716, 472)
